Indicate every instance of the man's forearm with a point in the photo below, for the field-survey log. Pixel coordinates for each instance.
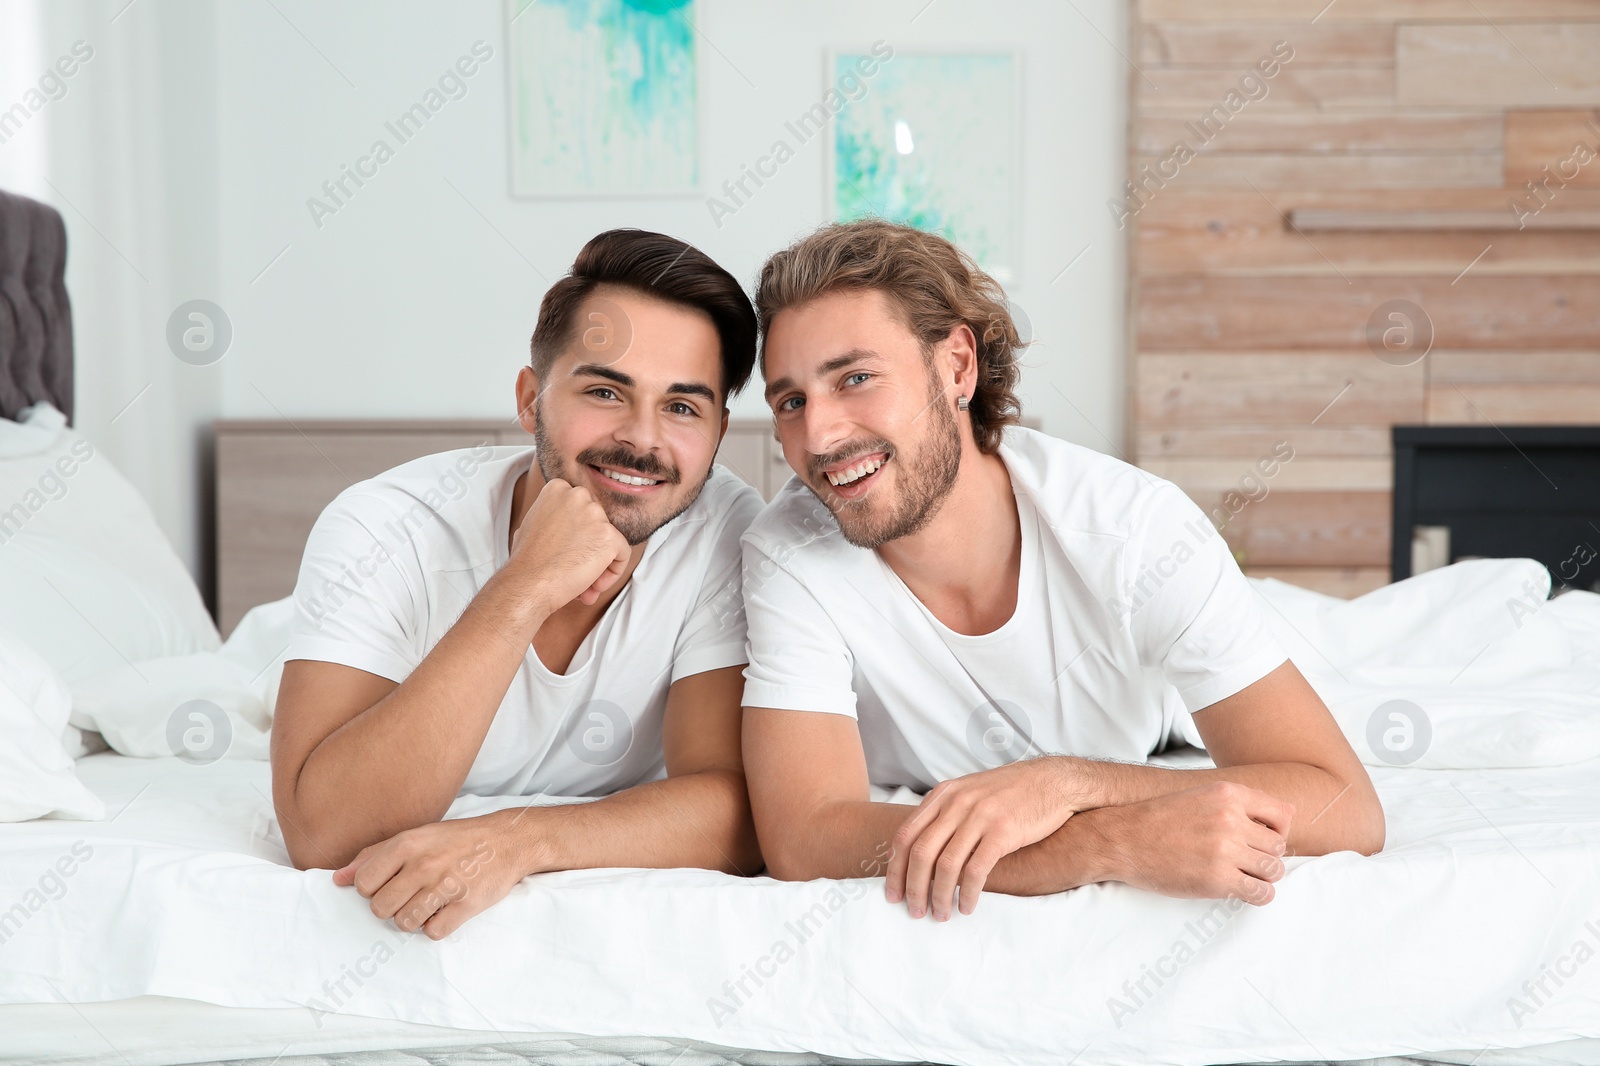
(697, 820)
(401, 762)
(854, 840)
(1330, 814)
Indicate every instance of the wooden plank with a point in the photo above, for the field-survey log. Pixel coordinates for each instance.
(1243, 44)
(1556, 150)
(745, 450)
(1536, 217)
(1409, 134)
(1239, 474)
(1207, 230)
(1524, 404)
(1278, 11)
(1313, 170)
(1473, 368)
(1291, 389)
(1190, 91)
(1305, 528)
(272, 485)
(1344, 582)
(1277, 313)
(1157, 440)
(1512, 64)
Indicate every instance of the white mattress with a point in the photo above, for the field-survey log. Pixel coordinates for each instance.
(1489, 877)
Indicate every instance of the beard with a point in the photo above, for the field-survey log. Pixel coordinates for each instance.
(634, 518)
(924, 482)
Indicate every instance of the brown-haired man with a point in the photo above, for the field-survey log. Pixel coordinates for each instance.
(940, 592)
(561, 619)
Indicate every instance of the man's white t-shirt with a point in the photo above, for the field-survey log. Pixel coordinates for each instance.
(1131, 615)
(392, 563)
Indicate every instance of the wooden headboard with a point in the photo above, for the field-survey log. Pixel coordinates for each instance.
(273, 479)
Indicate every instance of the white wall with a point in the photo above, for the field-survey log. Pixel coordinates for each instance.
(409, 302)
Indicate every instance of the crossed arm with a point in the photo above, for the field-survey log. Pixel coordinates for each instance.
(1287, 782)
(364, 769)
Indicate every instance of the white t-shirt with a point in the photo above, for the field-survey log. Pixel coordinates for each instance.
(1131, 614)
(392, 563)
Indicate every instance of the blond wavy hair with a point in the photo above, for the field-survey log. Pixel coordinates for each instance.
(933, 284)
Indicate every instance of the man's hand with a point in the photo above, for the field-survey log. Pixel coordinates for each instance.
(437, 876)
(1220, 840)
(966, 825)
(567, 544)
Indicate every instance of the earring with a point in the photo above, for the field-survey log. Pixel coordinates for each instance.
(962, 403)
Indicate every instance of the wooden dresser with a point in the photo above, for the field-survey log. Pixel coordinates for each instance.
(273, 479)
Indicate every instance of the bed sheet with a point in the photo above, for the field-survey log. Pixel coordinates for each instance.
(1489, 885)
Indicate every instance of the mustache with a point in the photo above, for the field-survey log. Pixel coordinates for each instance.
(648, 465)
(857, 447)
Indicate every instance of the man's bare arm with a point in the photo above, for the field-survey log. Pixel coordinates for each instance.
(1274, 738)
(699, 816)
(435, 877)
(809, 794)
(357, 758)
(1276, 735)
(808, 791)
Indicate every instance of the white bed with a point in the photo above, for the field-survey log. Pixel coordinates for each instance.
(1489, 875)
(162, 923)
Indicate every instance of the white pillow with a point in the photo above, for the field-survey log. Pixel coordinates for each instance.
(1466, 666)
(87, 579)
(200, 707)
(37, 776)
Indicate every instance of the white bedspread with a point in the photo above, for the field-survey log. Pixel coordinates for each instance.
(1478, 926)
(1490, 880)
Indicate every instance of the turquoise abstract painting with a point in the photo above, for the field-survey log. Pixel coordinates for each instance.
(932, 144)
(603, 97)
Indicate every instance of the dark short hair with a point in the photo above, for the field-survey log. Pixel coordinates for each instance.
(656, 265)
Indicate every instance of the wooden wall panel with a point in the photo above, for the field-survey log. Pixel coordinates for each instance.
(1551, 403)
(1278, 11)
(1514, 64)
(1457, 133)
(1205, 476)
(1239, 44)
(1191, 91)
(1271, 389)
(1558, 150)
(1186, 230)
(1319, 312)
(1386, 161)
(1271, 170)
(1521, 367)
(1168, 438)
(1299, 528)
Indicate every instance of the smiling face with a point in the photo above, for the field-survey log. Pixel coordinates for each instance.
(632, 410)
(864, 416)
